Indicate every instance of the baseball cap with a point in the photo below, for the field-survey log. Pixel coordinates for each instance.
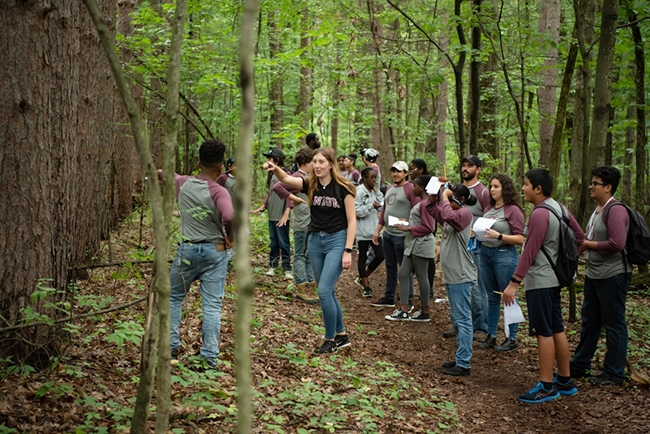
(401, 166)
(274, 152)
(472, 159)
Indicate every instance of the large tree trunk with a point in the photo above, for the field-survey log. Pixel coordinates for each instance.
(380, 133)
(555, 156)
(603, 83)
(585, 14)
(58, 148)
(549, 26)
(489, 141)
(641, 198)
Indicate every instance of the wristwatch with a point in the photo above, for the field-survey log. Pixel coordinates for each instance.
(348, 250)
(500, 237)
(513, 280)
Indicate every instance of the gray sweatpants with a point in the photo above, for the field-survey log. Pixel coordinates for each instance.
(421, 267)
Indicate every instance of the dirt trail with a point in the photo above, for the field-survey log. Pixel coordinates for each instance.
(486, 400)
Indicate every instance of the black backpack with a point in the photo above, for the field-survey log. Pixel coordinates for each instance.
(637, 244)
(566, 267)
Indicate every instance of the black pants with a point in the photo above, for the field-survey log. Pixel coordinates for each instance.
(363, 256)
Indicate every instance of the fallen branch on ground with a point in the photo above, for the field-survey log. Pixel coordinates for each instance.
(74, 318)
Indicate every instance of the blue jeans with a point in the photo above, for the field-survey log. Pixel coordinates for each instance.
(459, 295)
(201, 262)
(301, 267)
(326, 255)
(604, 306)
(496, 268)
(394, 255)
(280, 244)
(479, 299)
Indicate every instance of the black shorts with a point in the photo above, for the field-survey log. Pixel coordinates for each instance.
(544, 311)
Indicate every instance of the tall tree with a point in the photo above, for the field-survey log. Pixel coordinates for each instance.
(555, 156)
(475, 84)
(549, 28)
(603, 82)
(275, 87)
(585, 16)
(641, 198)
(304, 106)
(59, 146)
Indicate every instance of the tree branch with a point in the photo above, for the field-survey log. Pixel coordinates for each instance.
(435, 44)
(73, 318)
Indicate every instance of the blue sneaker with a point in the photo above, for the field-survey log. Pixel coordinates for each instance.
(567, 389)
(538, 394)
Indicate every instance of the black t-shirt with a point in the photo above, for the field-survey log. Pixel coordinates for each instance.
(328, 208)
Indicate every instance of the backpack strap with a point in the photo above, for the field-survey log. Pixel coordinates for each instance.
(607, 217)
(563, 217)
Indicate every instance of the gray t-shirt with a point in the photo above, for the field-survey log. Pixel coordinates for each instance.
(457, 263)
(397, 203)
(206, 209)
(482, 195)
(543, 229)
(509, 220)
(275, 205)
(420, 241)
(607, 261)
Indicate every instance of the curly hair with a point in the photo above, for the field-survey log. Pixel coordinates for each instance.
(211, 153)
(510, 196)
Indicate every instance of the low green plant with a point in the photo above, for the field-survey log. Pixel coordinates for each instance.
(125, 331)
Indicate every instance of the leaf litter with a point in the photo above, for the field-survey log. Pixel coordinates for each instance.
(390, 379)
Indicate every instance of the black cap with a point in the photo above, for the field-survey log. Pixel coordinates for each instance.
(472, 159)
(274, 152)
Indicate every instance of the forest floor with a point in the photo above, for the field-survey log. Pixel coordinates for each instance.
(389, 381)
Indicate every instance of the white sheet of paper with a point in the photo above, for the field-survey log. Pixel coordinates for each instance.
(512, 314)
(481, 225)
(433, 187)
(392, 221)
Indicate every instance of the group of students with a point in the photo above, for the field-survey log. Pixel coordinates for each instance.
(398, 227)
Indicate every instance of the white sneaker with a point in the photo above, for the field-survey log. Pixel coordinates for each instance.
(288, 275)
(271, 272)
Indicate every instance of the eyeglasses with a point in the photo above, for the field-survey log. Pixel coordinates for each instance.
(594, 184)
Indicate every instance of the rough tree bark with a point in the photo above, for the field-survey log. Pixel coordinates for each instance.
(603, 83)
(59, 143)
(244, 273)
(585, 14)
(555, 156)
(549, 27)
(641, 198)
